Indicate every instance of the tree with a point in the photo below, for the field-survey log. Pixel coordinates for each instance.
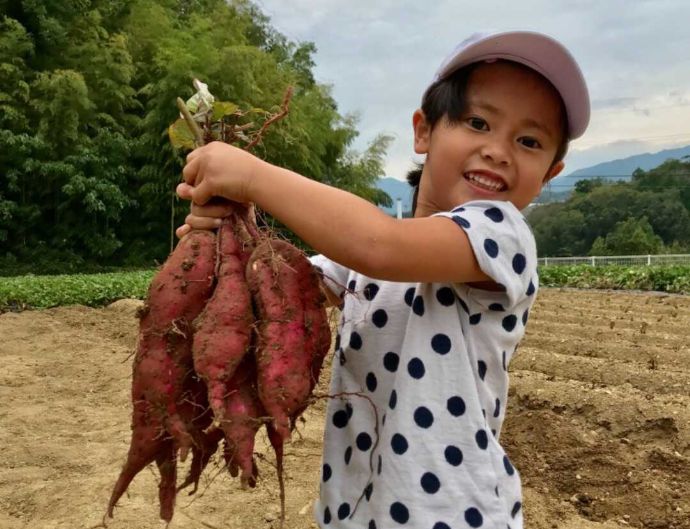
(633, 236)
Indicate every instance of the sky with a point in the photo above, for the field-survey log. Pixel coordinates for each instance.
(379, 56)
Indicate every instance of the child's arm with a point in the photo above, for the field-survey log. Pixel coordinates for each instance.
(342, 226)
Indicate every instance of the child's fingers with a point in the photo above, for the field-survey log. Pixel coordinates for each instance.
(184, 191)
(183, 230)
(217, 208)
(202, 223)
(190, 171)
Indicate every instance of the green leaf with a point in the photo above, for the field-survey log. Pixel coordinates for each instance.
(222, 109)
(180, 135)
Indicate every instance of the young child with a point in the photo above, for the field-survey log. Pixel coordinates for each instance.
(434, 306)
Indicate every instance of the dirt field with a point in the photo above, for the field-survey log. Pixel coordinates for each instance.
(598, 422)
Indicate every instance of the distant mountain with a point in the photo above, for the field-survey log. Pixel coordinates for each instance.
(615, 170)
(396, 189)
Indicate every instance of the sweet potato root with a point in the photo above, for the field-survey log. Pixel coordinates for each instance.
(223, 330)
(289, 350)
(163, 362)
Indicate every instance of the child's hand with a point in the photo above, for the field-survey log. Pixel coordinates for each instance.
(206, 217)
(219, 170)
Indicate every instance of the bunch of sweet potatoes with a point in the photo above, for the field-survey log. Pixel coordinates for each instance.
(232, 337)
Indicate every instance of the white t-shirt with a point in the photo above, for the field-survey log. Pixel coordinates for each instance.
(419, 448)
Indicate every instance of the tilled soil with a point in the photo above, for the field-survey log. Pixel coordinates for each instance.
(598, 422)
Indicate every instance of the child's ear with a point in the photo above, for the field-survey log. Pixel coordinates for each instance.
(422, 132)
(553, 171)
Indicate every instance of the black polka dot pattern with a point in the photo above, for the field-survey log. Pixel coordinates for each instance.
(409, 296)
(440, 343)
(416, 368)
(461, 221)
(399, 512)
(423, 417)
(418, 306)
(430, 483)
(380, 318)
(481, 369)
(508, 466)
(445, 296)
(494, 214)
(370, 291)
(473, 517)
(363, 441)
(399, 444)
(509, 322)
(491, 248)
(482, 439)
(393, 400)
(433, 358)
(371, 382)
(453, 455)
(456, 406)
(391, 362)
(368, 491)
(519, 263)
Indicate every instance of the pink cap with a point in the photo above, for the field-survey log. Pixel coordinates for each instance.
(537, 51)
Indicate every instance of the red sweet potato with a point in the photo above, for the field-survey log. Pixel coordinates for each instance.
(223, 330)
(292, 329)
(177, 295)
(195, 410)
(163, 363)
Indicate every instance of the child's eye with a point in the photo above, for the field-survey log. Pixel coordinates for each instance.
(530, 143)
(478, 123)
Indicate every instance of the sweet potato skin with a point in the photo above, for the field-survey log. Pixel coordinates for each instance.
(292, 329)
(163, 363)
(223, 330)
(243, 416)
(177, 295)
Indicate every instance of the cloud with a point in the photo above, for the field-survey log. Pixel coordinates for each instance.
(380, 55)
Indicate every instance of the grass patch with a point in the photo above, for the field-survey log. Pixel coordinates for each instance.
(94, 290)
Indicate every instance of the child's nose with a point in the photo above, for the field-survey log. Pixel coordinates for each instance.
(497, 151)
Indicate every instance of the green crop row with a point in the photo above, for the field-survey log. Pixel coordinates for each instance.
(662, 278)
(95, 290)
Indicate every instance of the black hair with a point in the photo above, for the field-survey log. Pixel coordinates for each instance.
(448, 98)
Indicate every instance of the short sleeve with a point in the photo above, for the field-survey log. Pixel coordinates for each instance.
(335, 276)
(503, 244)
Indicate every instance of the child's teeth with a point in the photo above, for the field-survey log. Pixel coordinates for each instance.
(486, 182)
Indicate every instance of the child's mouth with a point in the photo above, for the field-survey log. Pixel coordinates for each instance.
(483, 181)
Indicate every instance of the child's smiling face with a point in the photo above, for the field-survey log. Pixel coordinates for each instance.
(502, 148)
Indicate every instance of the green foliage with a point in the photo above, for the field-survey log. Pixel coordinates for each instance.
(672, 279)
(629, 237)
(606, 219)
(87, 92)
(38, 292)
